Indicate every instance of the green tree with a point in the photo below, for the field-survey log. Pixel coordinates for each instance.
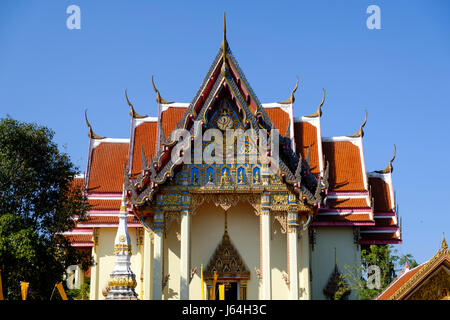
(387, 261)
(37, 203)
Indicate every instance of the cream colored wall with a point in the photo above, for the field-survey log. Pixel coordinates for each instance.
(105, 258)
(207, 227)
(243, 228)
(278, 262)
(322, 257)
(303, 269)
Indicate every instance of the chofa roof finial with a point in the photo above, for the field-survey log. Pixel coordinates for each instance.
(389, 168)
(132, 112)
(91, 133)
(159, 99)
(291, 99)
(318, 112)
(360, 132)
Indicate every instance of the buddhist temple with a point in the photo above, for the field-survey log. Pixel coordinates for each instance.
(428, 281)
(269, 228)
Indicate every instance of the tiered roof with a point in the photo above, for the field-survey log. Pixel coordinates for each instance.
(352, 196)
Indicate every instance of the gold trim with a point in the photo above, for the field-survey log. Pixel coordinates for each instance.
(122, 249)
(442, 254)
(122, 282)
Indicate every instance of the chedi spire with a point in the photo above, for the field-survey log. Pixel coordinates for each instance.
(122, 280)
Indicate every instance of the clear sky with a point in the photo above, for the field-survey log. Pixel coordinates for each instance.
(50, 74)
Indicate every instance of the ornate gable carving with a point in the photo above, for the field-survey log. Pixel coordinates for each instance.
(227, 262)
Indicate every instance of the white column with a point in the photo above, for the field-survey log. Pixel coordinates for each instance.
(184, 253)
(93, 292)
(293, 261)
(158, 256)
(265, 248)
(148, 259)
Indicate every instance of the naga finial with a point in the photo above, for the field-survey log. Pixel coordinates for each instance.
(318, 112)
(159, 99)
(91, 133)
(390, 168)
(132, 112)
(291, 99)
(360, 132)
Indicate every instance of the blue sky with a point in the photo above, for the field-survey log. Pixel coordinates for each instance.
(400, 74)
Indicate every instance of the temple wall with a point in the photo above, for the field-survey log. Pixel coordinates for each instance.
(278, 262)
(304, 283)
(106, 260)
(322, 257)
(207, 227)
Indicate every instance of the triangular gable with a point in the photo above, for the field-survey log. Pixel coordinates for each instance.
(226, 79)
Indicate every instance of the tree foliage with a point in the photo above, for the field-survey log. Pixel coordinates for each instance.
(37, 203)
(387, 259)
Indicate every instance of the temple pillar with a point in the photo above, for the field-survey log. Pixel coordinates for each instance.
(93, 292)
(265, 248)
(148, 260)
(292, 239)
(158, 243)
(185, 253)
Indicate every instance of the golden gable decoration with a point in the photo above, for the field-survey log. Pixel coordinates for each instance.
(227, 262)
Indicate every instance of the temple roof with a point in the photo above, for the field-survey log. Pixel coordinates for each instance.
(353, 196)
(409, 280)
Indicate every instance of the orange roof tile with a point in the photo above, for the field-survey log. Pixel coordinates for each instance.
(280, 119)
(105, 204)
(345, 166)
(347, 203)
(170, 118)
(78, 238)
(305, 134)
(106, 172)
(381, 194)
(144, 136)
(398, 283)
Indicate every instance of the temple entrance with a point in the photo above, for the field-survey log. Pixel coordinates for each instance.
(230, 269)
(231, 291)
